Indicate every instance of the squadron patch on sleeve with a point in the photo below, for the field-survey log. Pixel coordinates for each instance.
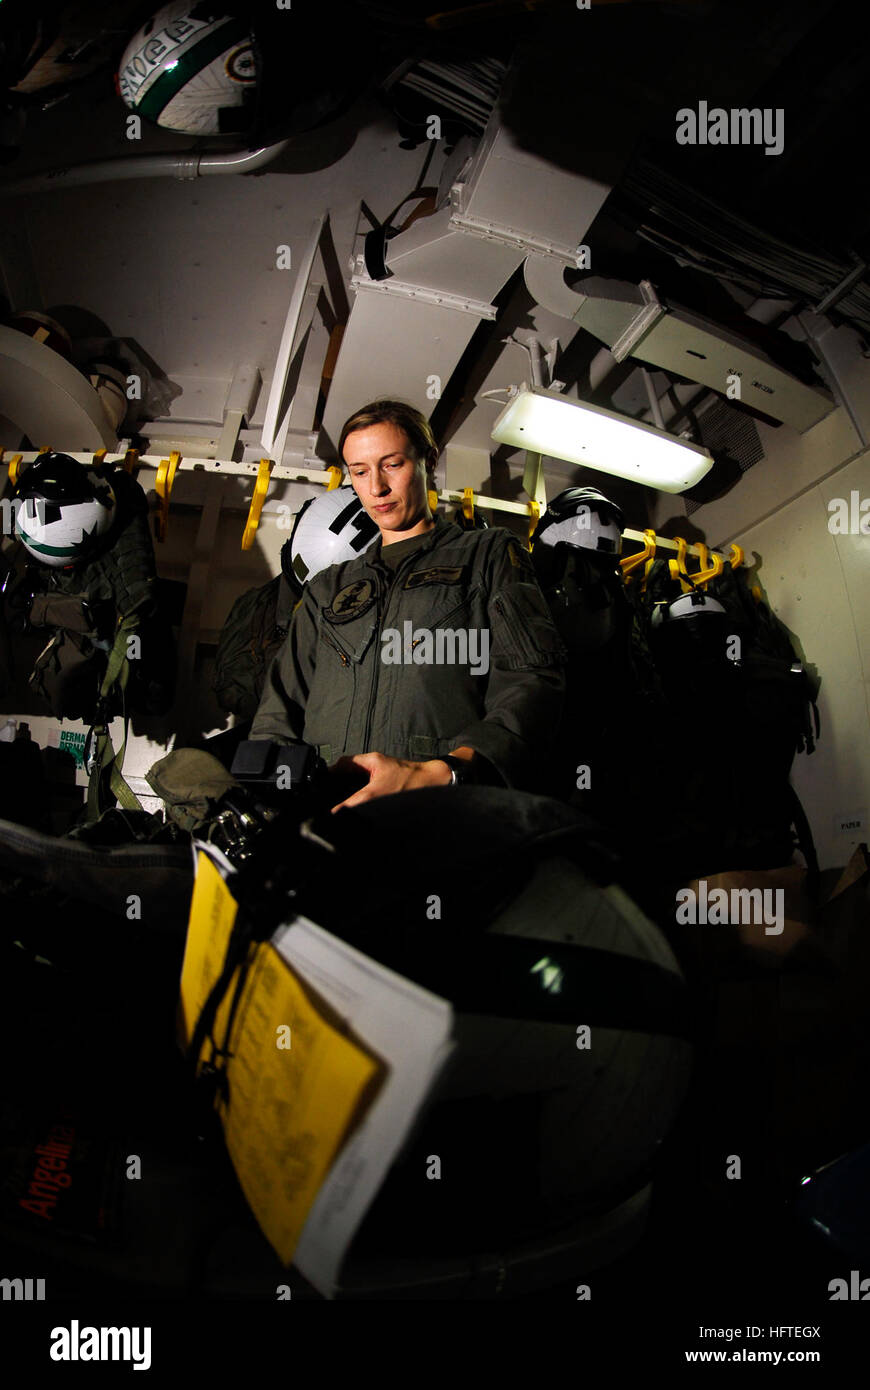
(351, 601)
(519, 557)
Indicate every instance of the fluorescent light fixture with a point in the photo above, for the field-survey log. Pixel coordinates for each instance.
(546, 423)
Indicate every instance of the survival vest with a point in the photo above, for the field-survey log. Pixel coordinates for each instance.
(254, 630)
(89, 668)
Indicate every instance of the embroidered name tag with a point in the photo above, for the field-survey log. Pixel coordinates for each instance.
(351, 601)
(441, 574)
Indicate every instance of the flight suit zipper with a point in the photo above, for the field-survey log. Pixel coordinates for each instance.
(505, 616)
(335, 647)
(408, 560)
(511, 627)
(375, 678)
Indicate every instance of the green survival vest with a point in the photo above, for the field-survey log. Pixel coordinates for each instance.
(89, 668)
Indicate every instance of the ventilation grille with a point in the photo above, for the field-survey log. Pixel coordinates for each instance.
(724, 430)
(464, 91)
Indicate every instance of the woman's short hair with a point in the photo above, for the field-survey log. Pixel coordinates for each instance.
(407, 417)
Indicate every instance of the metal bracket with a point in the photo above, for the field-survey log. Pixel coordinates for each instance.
(478, 307)
(528, 339)
(271, 424)
(237, 408)
(643, 321)
(550, 356)
(512, 236)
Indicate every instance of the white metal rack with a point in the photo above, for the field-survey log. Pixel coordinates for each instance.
(314, 472)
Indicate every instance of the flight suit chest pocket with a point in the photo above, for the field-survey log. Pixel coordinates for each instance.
(348, 643)
(438, 595)
(349, 621)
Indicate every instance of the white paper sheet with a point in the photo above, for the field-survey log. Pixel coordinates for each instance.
(406, 1026)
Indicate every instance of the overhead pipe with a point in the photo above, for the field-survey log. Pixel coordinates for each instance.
(653, 399)
(190, 164)
(602, 364)
(526, 338)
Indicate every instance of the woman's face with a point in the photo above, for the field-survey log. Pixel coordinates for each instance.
(387, 479)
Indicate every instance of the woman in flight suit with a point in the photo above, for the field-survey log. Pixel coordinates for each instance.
(431, 658)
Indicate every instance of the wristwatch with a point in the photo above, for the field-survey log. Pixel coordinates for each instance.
(460, 770)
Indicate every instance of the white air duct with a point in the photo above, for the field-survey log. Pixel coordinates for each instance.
(408, 330)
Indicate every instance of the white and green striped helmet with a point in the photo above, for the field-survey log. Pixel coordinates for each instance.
(188, 66)
(64, 510)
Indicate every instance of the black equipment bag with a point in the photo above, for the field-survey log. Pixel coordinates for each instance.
(253, 633)
(733, 718)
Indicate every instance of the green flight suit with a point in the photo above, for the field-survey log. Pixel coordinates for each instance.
(333, 683)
